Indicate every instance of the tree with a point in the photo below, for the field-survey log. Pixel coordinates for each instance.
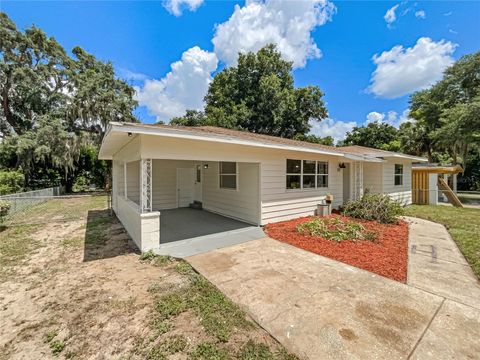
(53, 104)
(191, 118)
(376, 135)
(258, 95)
(449, 110)
(327, 140)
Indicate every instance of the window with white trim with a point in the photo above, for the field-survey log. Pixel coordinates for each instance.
(228, 175)
(306, 174)
(398, 174)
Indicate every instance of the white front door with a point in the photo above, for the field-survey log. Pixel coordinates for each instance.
(185, 186)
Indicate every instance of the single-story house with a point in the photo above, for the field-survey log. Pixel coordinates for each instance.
(245, 177)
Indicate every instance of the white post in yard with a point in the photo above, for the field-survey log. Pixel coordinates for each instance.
(146, 185)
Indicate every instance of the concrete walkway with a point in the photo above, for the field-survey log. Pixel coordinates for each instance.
(435, 264)
(323, 309)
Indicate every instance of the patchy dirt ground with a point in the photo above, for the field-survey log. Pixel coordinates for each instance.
(77, 289)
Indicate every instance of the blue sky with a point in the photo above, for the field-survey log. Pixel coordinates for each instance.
(332, 45)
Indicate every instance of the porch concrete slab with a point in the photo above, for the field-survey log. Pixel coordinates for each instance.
(317, 307)
(202, 244)
(453, 334)
(186, 223)
(436, 264)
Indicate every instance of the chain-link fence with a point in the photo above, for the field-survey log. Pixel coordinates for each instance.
(37, 209)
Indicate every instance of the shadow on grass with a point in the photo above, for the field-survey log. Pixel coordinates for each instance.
(105, 237)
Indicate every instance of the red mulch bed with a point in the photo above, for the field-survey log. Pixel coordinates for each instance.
(387, 256)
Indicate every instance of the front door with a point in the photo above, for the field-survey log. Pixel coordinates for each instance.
(185, 186)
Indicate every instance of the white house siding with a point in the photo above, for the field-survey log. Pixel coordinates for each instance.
(118, 184)
(243, 203)
(373, 177)
(164, 182)
(280, 204)
(402, 193)
(133, 181)
(276, 202)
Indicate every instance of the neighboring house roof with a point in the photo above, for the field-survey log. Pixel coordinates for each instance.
(222, 135)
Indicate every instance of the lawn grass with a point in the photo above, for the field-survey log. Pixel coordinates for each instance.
(462, 223)
(187, 317)
(15, 244)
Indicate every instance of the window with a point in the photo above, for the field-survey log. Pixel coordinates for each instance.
(228, 175)
(322, 174)
(199, 174)
(294, 169)
(306, 174)
(398, 174)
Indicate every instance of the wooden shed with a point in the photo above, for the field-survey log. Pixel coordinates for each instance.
(429, 179)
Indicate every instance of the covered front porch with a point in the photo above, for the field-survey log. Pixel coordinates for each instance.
(183, 207)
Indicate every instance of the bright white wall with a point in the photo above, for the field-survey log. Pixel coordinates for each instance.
(164, 182)
(133, 181)
(279, 203)
(373, 177)
(402, 193)
(243, 203)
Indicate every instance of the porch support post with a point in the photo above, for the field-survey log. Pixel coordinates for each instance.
(358, 179)
(146, 185)
(125, 182)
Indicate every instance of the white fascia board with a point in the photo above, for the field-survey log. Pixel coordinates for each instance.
(175, 134)
(414, 158)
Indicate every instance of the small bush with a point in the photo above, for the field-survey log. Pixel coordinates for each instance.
(378, 207)
(4, 208)
(146, 256)
(336, 229)
(11, 182)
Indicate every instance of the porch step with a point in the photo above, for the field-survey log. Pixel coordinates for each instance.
(196, 205)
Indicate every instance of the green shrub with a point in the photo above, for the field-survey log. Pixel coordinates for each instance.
(11, 182)
(378, 207)
(336, 229)
(4, 208)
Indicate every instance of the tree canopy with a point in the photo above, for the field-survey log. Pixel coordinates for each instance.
(53, 104)
(376, 134)
(258, 95)
(448, 113)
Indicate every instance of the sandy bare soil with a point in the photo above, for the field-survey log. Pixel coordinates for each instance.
(77, 289)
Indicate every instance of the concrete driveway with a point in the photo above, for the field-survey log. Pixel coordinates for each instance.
(323, 309)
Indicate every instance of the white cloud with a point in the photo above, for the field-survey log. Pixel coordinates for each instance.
(288, 24)
(390, 16)
(391, 117)
(420, 14)
(131, 75)
(330, 127)
(448, 13)
(375, 116)
(401, 71)
(182, 88)
(176, 7)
